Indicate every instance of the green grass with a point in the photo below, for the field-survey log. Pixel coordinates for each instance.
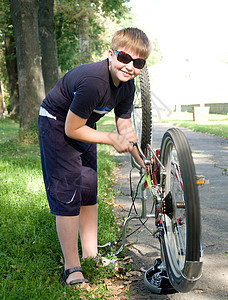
(216, 124)
(8, 129)
(30, 254)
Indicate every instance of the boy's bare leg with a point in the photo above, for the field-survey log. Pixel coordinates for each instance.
(88, 230)
(88, 233)
(67, 229)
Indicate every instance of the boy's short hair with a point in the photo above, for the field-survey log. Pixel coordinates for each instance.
(133, 39)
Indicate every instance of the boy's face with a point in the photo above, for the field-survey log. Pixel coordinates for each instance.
(120, 71)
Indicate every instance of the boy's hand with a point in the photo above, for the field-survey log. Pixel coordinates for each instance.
(120, 143)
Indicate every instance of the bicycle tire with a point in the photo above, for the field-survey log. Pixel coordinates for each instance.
(142, 109)
(181, 239)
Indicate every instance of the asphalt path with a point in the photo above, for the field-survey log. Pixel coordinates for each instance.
(210, 154)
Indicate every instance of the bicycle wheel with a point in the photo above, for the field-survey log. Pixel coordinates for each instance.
(181, 216)
(142, 109)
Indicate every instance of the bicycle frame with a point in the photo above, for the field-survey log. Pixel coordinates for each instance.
(148, 178)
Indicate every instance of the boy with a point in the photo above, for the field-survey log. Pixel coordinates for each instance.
(68, 138)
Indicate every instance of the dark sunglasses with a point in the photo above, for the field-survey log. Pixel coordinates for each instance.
(125, 58)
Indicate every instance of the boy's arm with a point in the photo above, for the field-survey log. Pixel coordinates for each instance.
(124, 128)
(76, 128)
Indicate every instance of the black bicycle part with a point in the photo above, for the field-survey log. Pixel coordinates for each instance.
(156, 279)
(142, 109)
(181, 216)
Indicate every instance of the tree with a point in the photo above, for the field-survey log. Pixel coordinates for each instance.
(3, 109)
(31, 86)
(48, 43)
(8, 65)
(11, 66)
(81, 28)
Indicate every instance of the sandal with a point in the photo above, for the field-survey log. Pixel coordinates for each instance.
(65, 274)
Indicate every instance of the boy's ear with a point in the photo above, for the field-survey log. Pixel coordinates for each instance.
(110, 54)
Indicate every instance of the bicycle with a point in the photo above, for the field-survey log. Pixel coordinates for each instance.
(171, 184)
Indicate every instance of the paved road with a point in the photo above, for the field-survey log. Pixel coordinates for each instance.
(210, 154)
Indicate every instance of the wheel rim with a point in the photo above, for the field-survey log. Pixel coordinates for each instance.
(174, 217)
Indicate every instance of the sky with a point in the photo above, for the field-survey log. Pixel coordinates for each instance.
(193, 38)
(185, 27)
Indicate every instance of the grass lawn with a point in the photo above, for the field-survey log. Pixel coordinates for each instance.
(216, 124)
(30, 254)
(8, 130)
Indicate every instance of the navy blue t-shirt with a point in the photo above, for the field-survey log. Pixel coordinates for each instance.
(89, 92)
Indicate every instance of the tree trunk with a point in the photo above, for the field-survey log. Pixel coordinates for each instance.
(1, 102)
(3, 108)
(48, 44)
(31, 86)
(84, 40)
(11, 66)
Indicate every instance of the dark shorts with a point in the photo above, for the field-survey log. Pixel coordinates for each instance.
(69, 169)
